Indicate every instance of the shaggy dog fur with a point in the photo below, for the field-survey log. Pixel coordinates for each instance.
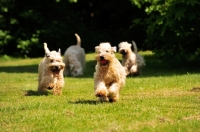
(51, 72)
(132, 61)
(110, 75)
(74, 59)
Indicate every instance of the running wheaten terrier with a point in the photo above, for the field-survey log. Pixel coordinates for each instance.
(110, 75)
(51, 72)
(74, 59)
(132, 61)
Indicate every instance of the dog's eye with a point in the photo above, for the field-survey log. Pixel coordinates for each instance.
(107, 51)
(51, 61)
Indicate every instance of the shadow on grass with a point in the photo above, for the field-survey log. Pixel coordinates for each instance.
(35, 93)
(161, 67)
(19, 69)
(91, 102)
(154, 67)
(88, 73)
(195, 89)
(90, 69)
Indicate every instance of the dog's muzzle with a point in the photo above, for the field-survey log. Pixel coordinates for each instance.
(56, 69)
(103, 62)
(123, 52)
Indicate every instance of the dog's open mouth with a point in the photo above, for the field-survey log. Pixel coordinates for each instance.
(55, 70)
(103, 62)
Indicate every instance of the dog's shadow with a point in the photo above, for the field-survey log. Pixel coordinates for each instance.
(35, 93)
(91, 102)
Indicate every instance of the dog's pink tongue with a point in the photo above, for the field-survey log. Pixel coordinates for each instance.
(56, 71)
(103, 61)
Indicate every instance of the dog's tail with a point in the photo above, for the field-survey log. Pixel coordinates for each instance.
(78, 39)
(134, 46)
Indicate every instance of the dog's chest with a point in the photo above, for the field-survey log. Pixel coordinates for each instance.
(56, 79)
(108, 76)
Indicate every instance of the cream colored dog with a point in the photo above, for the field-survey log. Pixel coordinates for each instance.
(110, 75)
(74, 59)
(132, 61)
(51, 72)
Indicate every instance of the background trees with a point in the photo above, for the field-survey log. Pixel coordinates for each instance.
(172, 27)
(169, 28)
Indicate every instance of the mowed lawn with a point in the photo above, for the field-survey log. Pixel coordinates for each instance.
(166, 98)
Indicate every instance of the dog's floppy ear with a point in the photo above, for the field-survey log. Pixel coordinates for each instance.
(114, 49)
(119, 45)
(46, 48)
(97, 49)
(71, 66)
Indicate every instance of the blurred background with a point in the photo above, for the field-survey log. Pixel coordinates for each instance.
(170, 28)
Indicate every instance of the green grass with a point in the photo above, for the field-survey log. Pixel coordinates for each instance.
(164, 98)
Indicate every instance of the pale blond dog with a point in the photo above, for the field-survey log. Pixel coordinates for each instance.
(51, 72)
(132, 61)
(110, 75)
(74, 59)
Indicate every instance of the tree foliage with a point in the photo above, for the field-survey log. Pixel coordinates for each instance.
(26, 24)
(168, 27)
(172, 27)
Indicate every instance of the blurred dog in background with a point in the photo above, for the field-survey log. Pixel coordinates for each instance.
(132, 61)
(74, 59)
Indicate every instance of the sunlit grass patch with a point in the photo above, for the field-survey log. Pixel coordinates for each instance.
(164, 98)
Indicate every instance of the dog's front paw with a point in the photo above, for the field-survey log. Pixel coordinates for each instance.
(104, 99)
(113, 99)
(101, 93)
(50, 86)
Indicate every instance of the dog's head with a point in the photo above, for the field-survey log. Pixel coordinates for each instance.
(124, 48)
(54, 61)
(76, 70)
(105, 53)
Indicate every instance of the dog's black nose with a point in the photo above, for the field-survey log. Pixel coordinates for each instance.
(56, 67)
(101, 57)
(123, 52)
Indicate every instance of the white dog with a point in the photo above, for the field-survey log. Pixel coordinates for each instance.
(110, 75)
(132, 61)
(51, 72)
(74, 59)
